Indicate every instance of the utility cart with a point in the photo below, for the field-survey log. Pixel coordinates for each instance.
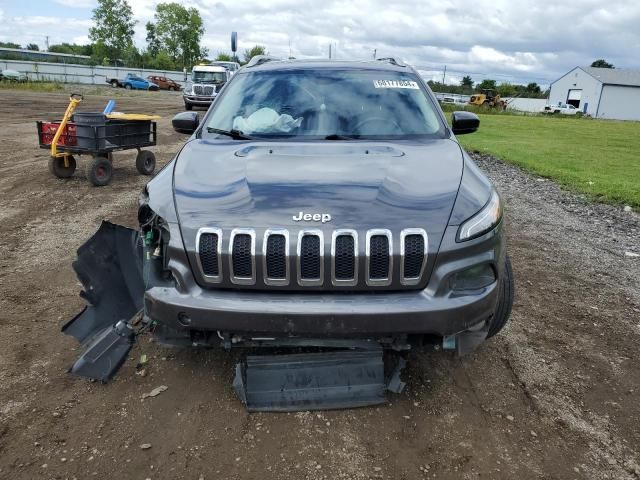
(97, 135)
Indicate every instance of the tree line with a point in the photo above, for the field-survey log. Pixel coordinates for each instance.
(173, 39)
(468, 87)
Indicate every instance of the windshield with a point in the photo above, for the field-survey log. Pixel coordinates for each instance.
(208, 77)
(322, 103)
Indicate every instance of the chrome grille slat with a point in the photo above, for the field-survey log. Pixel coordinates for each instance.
(413, 256)
(320, 269)
(342, 262)
(271, 257)
(201, 254)
(373, 275)
(246, 274)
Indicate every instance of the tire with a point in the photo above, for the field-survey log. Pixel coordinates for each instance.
(99, 171)
(114, 84)
(171, 89)
(145, 162)
(505, 301)
(188, 106)
(127, 86)
(57, 168)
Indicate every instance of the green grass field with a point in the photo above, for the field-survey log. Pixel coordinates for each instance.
(32, 86)
(598, 157)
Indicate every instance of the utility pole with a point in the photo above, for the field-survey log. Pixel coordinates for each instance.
(444, 75)
(329, 51)
(46, 43)
(375, 51)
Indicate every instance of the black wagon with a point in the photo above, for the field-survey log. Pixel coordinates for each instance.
(97, 135)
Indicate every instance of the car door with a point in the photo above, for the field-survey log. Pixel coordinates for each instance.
(141, 83)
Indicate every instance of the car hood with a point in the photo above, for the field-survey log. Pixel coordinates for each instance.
(233, 184)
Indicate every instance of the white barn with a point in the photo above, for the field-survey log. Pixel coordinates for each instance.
(601, 92)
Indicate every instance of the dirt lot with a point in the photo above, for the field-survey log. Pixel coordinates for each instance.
(556, 395)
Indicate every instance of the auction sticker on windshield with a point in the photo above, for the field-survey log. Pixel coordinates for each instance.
(396, 84)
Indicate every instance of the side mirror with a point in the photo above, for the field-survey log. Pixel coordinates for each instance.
(186, 122)
(464, 122)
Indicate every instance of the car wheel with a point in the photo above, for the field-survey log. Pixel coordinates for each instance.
(127, 86)
(171, 88)
(188, 106)
(146, 162)
(114, 84)
(99, 171)
(505, 301)
(58, 169)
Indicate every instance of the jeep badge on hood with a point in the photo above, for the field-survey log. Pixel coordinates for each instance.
(312, 217)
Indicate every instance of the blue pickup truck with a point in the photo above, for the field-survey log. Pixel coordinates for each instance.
(132, 82)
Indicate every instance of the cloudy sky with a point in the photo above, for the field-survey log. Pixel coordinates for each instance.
(516, 41)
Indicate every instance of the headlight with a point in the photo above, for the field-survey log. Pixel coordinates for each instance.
(483, 221)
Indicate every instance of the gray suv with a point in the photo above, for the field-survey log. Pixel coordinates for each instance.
(317, 203)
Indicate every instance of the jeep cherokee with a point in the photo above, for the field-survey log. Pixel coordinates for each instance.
(316, 203)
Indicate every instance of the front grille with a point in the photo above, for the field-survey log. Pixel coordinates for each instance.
(413, 252)
(379, 257)
(237, 262)
(206, 90)
(413, 255)
(276, 260)
(345, 260)
(242, 256)
(310, 257)
(208, 252)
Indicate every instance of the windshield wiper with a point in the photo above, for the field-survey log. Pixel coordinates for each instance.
(335, 136)
(233, 133)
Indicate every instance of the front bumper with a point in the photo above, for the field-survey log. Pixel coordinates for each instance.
(313, 314)
(435, 310)
(198, 100)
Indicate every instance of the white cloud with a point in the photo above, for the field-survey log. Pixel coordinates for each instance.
(77, 3)
(501, 39)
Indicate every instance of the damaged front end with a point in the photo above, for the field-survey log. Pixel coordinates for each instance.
(116, 266)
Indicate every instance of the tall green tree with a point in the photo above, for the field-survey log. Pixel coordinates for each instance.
(178, 31)
(486, 84)
(466, 81)
(113, 27)
(224, 57)
(602, 63)
(506, 90)
(153, 46)
(533, 87)
(253, 51)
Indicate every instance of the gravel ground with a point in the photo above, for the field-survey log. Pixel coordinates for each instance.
(554, 396)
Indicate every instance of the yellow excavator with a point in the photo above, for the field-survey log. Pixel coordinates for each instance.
(489, 99)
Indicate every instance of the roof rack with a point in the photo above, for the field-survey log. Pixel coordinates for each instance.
(260, 59)
(392, 61)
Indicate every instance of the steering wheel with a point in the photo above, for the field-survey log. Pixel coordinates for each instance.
(386, 121)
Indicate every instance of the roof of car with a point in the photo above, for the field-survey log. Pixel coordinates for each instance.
(329, 64)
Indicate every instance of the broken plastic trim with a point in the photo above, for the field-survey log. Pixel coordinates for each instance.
(109, 266)
(311, 381)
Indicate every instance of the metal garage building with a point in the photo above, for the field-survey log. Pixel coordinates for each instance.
(600, 92)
